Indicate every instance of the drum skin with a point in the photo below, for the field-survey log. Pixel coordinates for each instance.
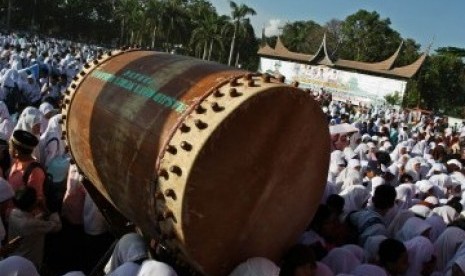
(218, 163)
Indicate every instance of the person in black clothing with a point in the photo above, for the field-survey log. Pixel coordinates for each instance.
(5, 160)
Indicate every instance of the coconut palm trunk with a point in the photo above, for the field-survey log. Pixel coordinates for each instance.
(210, 50)
(233, 41)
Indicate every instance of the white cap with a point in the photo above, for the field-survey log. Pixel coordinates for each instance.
(432, 200)
(455, 162)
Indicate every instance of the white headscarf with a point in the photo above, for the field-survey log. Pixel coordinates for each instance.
(437, 226)
(355, 197)
(447, 213)
(404, 195)
(368, 270)
(341, 260)
(323, 270)
(446, 246)
(75, 273)
(126, 269)
(152, 267)
(356, 250)
(131, 247)
(352, 178)
(371, 248)
(10, 78)
(441, 180)
(421, 210)
(398, 222)
(53, 131)
(458, 258)
(30, 117)
(419, 148)
(409, 168)
(6, 191)
(254, 267)
(6, 125)
(420, 251)
(413, 227)
(424, 186)
(18, 266)
(45, 108)
(337, 159)
(375, 182)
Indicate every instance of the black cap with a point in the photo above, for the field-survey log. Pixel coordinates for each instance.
(373, 166)
(24, 139)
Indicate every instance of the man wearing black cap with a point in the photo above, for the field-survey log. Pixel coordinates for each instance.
(372, 170)
(22, 144)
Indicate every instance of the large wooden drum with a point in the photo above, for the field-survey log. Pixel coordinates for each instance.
(219, 163)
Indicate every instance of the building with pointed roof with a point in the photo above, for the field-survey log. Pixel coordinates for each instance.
(384, 73)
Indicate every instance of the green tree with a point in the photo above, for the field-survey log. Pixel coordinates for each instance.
(440, 85)
(239, 15)
(334, 35)
(126, 12)
(367, 37)
(205, 33)
(246, 54)
(393, 99)
(174, 24)
(453, 51)
(302, 36)
(409, 52)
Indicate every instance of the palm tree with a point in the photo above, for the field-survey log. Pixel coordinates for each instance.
(8, 14)
(217, 28)
(173, 22)
(238, 15)
(129, 12)
(154, 11)
(208, 32)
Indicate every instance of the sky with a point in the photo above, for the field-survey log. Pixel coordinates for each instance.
(441, 22)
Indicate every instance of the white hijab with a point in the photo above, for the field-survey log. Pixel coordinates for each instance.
(254, 267)
(10, 78)
(53, 131)
(356, 250)
(447, 213)
(346, 178)
(355, 197)
(420, 251)
(6, 125)
(341, 260)
(421, 210)
(376, 182)
(459, 258)
(126, 269)
(323, 270)
(369, 270)
(398, 222)
(30, 117)
(410, 168)
(18, 266)
(152, 267)
(446, 246)
(404, 195)
(437, 226)
(130, 248)
(413, 227)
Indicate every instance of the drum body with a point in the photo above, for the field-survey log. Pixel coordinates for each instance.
(218, 163)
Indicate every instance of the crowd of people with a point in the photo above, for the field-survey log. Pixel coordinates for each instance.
(48, 222)
(392, 204)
